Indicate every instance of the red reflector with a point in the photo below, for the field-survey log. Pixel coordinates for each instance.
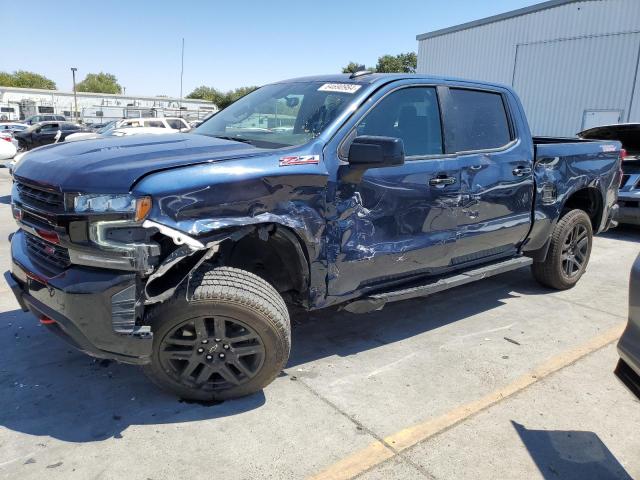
(8, 139)
(48, 236)
(623, 154)
(46, 320)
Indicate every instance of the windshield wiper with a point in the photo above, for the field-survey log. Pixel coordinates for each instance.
(235, 139)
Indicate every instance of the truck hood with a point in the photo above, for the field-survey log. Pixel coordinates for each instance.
(115, 164)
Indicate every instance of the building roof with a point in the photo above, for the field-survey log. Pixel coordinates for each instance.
(497, 18)
(101, 95)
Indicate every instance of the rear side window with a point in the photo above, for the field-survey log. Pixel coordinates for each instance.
(475, 120)
(154, 123)
(176, 123)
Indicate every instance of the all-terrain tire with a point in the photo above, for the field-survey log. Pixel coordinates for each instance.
(241, 302)
(560, 270)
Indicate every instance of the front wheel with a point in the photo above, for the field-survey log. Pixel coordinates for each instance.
(225, 335)
(569, 252)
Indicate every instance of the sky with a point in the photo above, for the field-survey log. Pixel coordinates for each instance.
(227, 44)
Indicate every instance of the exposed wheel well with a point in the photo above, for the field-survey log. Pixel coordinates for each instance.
(276, 254)
(589, 200)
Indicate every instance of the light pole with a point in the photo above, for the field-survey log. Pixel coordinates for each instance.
(75, 97)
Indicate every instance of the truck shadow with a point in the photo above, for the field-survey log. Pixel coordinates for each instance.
(625, 233)
(570, 454)
(48, 389)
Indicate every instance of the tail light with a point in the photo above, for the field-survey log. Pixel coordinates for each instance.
(8, 139)
(623, 154)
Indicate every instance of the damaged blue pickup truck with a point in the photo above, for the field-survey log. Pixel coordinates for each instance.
(184, 253)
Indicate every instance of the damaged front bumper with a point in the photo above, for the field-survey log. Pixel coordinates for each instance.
(96, 310)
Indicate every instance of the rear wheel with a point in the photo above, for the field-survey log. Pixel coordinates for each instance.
(569, 252)
(226, 336)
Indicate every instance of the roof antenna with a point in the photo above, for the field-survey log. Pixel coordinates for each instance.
(360, 73)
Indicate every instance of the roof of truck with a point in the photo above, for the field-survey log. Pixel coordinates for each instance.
(371, 78)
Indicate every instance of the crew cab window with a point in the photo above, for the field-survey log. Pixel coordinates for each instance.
(176, 123)
(411, 114)
(475, 120)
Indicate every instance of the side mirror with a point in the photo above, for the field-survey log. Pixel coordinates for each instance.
(376, 152)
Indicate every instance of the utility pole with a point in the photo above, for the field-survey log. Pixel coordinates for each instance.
(75, 97)
(181, 74)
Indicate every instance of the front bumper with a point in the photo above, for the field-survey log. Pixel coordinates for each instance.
(80, 301)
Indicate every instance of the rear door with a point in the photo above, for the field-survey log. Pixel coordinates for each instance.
(496, 167)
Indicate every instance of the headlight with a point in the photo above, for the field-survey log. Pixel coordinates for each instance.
(112, 203)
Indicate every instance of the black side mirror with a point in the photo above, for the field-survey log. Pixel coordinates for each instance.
(372, 151)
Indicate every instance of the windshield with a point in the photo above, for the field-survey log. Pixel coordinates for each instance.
(281, 115)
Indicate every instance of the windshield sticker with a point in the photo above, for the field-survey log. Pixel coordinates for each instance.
(608, 148)
(299, 160)
(339, 87)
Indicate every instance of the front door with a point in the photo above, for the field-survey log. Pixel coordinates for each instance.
(496, 188)
(398, 221)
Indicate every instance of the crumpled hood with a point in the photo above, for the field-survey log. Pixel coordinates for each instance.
(114, 164)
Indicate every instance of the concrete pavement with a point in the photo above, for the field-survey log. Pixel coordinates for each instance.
(352, 382)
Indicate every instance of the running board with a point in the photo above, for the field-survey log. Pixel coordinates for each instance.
(379, 300)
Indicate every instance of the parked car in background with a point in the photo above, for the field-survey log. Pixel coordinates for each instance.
(629, 195)
(44, 118)
(44, 133)
(628, 369)
(183, 253)
(151, 125)
(8, 149)
(12, 127)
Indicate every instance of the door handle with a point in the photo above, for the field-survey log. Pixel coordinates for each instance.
(442, 181)
(521, 171)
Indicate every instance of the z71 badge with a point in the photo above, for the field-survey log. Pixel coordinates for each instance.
(299, 160)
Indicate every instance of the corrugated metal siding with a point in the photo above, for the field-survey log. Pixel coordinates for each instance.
(558, 81)
(488, 52)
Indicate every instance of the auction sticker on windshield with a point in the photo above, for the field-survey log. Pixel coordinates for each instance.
(299, 160)
(339, 87)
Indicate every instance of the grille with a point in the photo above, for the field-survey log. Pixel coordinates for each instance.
(40, 197)
(55, 257)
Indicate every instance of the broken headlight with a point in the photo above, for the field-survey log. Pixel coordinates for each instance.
(112, 203)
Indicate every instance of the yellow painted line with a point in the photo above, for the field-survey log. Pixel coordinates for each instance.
(378, 451)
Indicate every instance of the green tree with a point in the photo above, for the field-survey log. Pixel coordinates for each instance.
(353, 67)
(99, 83)
(233, 95)
(402, 63)
(220, 99)
(25, 79)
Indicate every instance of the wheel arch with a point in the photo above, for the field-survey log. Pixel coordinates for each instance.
(277, 254)
(588, 199)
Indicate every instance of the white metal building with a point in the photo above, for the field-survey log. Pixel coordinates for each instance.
(19, 103)
(574, 63)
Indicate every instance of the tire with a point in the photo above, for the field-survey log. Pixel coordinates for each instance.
(571, 243)
(222, 312)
